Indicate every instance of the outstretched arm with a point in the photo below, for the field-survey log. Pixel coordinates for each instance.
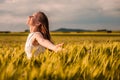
(46, 43)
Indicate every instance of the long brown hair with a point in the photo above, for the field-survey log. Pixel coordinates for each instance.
(44, 27)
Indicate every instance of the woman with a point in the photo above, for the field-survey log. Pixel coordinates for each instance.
(39, 36)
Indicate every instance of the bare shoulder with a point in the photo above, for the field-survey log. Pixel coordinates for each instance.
(38, 34)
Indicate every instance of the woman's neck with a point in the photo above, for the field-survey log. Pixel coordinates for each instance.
(33, 29)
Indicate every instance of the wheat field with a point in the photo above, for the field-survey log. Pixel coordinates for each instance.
(83, 58)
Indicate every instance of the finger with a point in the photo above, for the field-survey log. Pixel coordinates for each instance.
(61, 44)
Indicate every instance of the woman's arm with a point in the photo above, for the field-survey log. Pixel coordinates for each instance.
(46, 43)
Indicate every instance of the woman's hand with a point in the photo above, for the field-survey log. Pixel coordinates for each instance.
(58, 47)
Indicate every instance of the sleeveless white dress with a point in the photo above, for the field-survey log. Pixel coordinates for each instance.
(30, 49)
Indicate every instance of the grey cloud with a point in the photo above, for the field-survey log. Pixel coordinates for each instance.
(58, 8)
(66, 12)
(1, 1)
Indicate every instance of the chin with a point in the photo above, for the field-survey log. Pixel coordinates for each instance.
(27, 22)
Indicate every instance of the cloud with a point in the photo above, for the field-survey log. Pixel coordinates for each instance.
(61, 7)
(109, 4)
(61, 12)
(1, 1)
(110, 7)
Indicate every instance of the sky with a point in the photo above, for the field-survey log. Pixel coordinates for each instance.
(74, 14)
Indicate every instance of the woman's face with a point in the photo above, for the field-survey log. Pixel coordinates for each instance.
(31, 20)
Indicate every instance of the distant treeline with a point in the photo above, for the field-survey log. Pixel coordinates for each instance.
(4, 31)
(64, 30)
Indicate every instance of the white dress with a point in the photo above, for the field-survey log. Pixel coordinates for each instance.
(30, 49)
